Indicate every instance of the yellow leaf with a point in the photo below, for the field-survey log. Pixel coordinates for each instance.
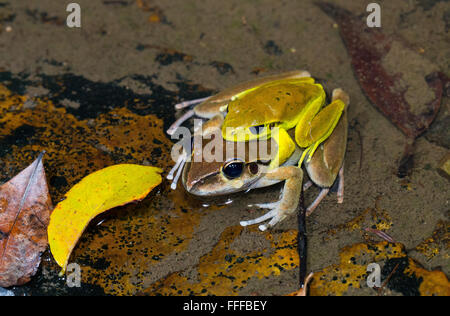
(98, 192)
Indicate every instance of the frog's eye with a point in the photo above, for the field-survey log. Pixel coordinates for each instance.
(233, 169)
(256, 130)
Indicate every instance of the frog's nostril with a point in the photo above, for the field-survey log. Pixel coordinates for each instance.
(189, 186)
(192, 187)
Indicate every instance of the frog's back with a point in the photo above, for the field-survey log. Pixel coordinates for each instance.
(276, 102)
(213, 104)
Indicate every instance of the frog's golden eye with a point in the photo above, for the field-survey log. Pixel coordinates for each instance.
(233, 169)
(256, 130)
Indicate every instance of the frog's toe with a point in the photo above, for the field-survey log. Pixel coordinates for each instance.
(340, 94)
(323, 193)
(275, 220)
(186, 104)
(271, 205)
(275, 215)
(258, 220)
(172, 129)
(307, 185)
(340, 193)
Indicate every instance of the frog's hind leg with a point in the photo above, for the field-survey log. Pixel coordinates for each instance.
(209, 127)
(328, 161)
(173, 186)
(175, 173)
(340, 192)
(186, 116)
(269, 205)
(186, 104)
(312, 133)
(205, 108)
(324, 192)
(307, 185)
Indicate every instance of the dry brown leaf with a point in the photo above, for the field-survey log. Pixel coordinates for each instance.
(25, 208)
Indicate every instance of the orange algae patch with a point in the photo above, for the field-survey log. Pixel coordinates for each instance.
(440, 238)
(351, 272)
(119, 255)
(224, 271)
(373, 216)
(76, 148)
(119, 248)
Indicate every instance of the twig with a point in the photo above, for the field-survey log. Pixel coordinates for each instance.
(380, 234)
(387, 279)
(302, 242)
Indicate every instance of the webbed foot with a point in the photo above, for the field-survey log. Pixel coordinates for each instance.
(288, 204)
(274, 215)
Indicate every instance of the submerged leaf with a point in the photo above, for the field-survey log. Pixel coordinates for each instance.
(25, 208)
(400, 82)
(100, 191)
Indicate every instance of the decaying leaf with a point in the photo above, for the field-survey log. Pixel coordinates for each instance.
(100, 191)
(226, 270)
(25, 208)
(400, 82)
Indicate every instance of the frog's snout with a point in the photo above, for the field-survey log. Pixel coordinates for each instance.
(196, 179)
(198, 188)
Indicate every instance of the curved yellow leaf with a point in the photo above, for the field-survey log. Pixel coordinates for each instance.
(98, 192)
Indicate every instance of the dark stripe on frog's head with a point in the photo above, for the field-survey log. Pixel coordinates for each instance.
(205, 173)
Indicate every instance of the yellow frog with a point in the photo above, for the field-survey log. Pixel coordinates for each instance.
(289, 105)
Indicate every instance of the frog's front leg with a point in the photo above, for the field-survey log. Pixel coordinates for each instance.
(293, 177)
